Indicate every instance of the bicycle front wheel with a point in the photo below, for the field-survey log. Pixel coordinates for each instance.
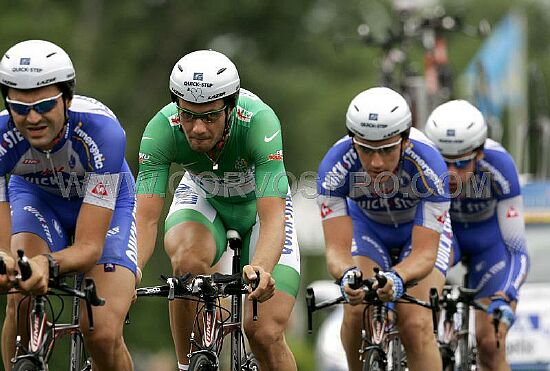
(26, 365)
(374, 361)
(201, 362)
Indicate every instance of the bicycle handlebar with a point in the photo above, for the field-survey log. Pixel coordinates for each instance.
(207, 287)
(371, 297)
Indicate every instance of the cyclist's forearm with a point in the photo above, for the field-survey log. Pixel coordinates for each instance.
(5, 227)
(78, 258)
(147, 237)
(423, 255)
(339, 259)
(269, 247)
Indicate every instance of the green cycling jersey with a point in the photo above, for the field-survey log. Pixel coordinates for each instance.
(249, 166)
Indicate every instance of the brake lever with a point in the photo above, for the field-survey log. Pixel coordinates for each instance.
(255, 285)
(171, 281)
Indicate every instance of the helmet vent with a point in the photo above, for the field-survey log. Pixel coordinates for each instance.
(221, 70)
(471, 124)
(49, 55)
(435, 123)
(180, 68)
(394, 108)
(357, 109)
(7, 56)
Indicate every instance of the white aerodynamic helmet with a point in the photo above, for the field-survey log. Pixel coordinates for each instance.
(203, 76)
(35, 63)
(377, 114)
(456, 127)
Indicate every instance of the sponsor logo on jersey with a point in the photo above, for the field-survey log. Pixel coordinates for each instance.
(57, 228)
(30, 161)
(93, 148)
(9, 139)
(143, 157)
(41, 220)
(336, 177)
(512, 213)
(277, 156)
(174, 120)
(325, 210)
(100, 190)
(426, 170)
(244, 115)
(241, 164)
(289, 227)
(441, 218)
(198, 76)
(113, 231)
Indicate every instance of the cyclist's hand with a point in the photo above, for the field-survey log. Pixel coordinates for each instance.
(393, 289)
(37, 283)
(7, 278)
(352, 295)
(266, 286)
(506, 315)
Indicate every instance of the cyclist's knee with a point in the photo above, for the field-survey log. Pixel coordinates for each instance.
(353, 314)
(104, 342)
(416, 331)
(488, 351)
(186, 259)
(264, 336)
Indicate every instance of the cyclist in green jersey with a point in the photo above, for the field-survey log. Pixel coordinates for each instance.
(229, 144)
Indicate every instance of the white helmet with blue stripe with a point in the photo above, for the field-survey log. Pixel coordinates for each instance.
(377, 114)
(204, 76)
(456, 128)
(35, 63)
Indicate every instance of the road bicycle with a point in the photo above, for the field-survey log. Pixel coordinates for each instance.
(213, 322)
(44, 330)
(381, 348)
(456, 335)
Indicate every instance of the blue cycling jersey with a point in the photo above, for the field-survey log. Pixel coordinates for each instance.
(488, 224)
(88, 161)
(418, 192)
(384, 214)
(87, 165)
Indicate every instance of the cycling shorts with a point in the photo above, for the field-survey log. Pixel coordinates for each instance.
(53, 218)
(191, 204)
(377, 241)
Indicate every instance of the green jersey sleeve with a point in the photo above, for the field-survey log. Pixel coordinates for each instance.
(265, 146)
(156, 154)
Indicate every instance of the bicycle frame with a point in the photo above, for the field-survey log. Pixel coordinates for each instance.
(209, 320)
(43, 334)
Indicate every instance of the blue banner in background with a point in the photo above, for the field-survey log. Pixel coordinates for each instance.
(493, 79)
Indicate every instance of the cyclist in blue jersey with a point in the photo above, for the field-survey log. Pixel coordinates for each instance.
(382, 193)
(487, 218)
(70, 192)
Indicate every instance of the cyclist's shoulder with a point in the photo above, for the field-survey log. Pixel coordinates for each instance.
(497, 159)
(423, 153)
(251, 109)
(4, 120)
(341, 152)
(91, 109)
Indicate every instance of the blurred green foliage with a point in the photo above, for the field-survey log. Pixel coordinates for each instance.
(302, 57)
